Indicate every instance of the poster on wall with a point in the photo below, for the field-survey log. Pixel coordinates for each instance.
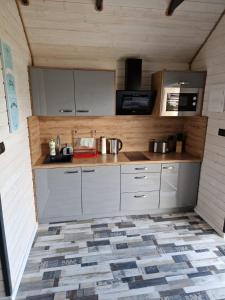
(10, 86)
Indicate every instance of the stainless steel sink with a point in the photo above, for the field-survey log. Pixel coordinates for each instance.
(136, 156)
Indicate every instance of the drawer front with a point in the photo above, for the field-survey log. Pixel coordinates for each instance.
(170, 168)
(140, 182)
(139, 201)
(155, 168)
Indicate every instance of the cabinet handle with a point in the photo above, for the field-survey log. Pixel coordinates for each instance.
(65, 110)
(71, 172)
(183, 82)
(140, 196)
(140, 177)
(88, 171)
(139, 169)
(82, 111)
(168, 168)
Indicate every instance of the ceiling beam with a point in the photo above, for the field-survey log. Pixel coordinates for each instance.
(99, 5)
(172, 6)
(25, 2)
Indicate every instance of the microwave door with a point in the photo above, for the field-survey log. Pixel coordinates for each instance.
(190, 101)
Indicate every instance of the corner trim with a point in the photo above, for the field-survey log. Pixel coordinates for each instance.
(4, 256)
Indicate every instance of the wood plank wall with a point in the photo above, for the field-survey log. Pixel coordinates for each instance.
(134, 131)
(211, 200)
(16, 175)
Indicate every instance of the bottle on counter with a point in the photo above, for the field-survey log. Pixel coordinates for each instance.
(180, 143)
(52, 147)
(103, 145)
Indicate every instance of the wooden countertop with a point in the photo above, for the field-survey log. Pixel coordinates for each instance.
(119, 159)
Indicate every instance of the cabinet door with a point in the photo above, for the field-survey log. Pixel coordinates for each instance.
(94, 93)
(190, 78)
(188, 183)
(169, 186)
(58, 194)
(179, 185)
(52, 92)
(101, 189)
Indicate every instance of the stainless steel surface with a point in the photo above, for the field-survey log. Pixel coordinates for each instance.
(160, 147)
(173, 95)
(114, 145)
(65, 110)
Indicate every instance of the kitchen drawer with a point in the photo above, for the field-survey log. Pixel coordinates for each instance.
(143, 168)
(140, 182)
(139, 201)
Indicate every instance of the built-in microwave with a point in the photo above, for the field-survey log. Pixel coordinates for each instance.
(179, 101)
(134, 102)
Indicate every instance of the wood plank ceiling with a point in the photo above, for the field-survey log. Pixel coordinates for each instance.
(125, 28)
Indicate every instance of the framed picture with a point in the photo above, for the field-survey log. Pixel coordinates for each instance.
(10, 86)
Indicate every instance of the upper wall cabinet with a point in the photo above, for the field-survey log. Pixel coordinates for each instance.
(52, 92)
(94, 93)
(57, 92)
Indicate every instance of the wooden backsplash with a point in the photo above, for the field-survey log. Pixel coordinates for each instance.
(134, 131)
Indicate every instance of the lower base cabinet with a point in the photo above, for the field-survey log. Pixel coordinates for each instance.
(65, 194)
(58, 193)
(140, 201)
(179, 185)
(101, 190)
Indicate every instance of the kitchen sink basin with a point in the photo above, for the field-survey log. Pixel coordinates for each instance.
(136, 156)
(58, 159)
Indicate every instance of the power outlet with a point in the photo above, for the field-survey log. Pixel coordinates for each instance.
(2, 148)
(221, 132)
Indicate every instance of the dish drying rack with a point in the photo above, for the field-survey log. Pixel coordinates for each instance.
(85, 147)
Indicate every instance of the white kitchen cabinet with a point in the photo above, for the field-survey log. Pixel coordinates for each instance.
(179, 185)
(139, 201)
(101, 190)
(95, 93)
(61, 92)
(58, 193)
(140, 182)
(140, 185)
(52, 92)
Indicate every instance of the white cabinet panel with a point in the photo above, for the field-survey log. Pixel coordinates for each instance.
(101, 189)
(140, 182)
(95, 93)
(139, 201)
(58, 194)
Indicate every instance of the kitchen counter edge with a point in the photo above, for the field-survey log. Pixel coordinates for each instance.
(120, 159)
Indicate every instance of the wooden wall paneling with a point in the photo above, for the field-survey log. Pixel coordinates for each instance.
(34, 138)
(15, 164)
(54, 27)
(211, 200)
(195, 131)
(134, 131)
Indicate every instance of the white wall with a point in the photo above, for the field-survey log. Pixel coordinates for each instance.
(15, 167)
(211, 201)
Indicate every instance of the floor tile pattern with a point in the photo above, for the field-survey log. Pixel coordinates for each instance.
(139, 257)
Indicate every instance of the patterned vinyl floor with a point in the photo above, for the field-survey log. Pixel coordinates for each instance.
(141, 257)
